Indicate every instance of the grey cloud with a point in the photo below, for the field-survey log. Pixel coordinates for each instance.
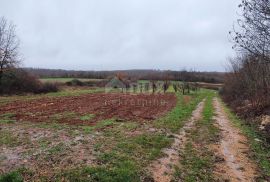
(123, 34)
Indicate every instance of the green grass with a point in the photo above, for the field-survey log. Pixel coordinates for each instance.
(63, 93)
(124, 161)
(13, 176)
(197, 161)
(99, 125)
(148, 146)
(260, 149)
(59, 148)
(67, 93)
(120, 156)
(177, 117)
(63, 80)
(122, 149)
(64, 115)
(87, 117)
(7, 118)
(7, 138)
(122, 169)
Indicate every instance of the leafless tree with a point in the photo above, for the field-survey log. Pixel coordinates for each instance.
(252, 35)
(249, 80)
(9, 46)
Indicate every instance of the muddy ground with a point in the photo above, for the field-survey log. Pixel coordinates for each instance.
(233, 149)
(100, 106)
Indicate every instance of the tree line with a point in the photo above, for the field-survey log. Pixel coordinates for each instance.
(183, 75)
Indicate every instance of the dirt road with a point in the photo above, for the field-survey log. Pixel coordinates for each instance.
(232, 149)
(162, 169)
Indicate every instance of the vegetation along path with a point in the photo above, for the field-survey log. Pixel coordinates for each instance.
(162, 169)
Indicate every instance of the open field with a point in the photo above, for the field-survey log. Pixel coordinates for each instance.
(100, 106)
(88, 135)
(64, 80)
(140, 91)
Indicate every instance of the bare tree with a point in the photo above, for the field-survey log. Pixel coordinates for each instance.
(9, 46)
(252, 35)
(249, 80)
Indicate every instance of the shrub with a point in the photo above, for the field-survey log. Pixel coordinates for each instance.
(246, 87)
(75, 82)
(47, 87)
(18, 81)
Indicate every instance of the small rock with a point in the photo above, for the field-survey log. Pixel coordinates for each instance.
(119, 120)
(219, 159)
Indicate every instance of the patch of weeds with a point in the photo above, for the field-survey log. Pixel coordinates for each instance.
(64, 115)
(152, 144)
(196, 166)
(14, 176)
(87, 117)
(17, 175)
(88, 129)
(198, 160)
(120, 129)
(260, 148)
(77, 92)
(144, 147)
(7, 118)
(128, 126)
(123, 158)
(174, 120)
(52, 125)
(99, 125)
(97, 146)
(7, 138)
(59, 148)
(44, 143)
(113, 167)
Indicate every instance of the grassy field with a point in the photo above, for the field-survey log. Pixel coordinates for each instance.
(117, 150)
(113, 148)
(64, 80)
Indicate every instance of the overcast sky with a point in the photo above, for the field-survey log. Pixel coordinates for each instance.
(123, 34)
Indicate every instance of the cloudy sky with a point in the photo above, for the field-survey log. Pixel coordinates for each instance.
(123, 34)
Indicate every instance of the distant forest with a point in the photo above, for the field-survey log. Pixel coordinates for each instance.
(190, 76)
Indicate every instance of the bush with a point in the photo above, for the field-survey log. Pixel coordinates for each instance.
(247, 86)
(18, 81)
(75, 82)
(48, 87)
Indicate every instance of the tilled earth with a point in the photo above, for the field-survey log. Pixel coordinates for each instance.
(102, 106)
(29, 141)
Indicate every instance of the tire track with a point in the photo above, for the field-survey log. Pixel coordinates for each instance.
(163, 168)
(232, 149)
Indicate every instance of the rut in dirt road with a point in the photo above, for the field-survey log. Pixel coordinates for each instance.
(162, 169)
(233, 148)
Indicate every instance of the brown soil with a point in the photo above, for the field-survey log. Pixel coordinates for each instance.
(103, 106)
(233, 150)
(162, 169)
